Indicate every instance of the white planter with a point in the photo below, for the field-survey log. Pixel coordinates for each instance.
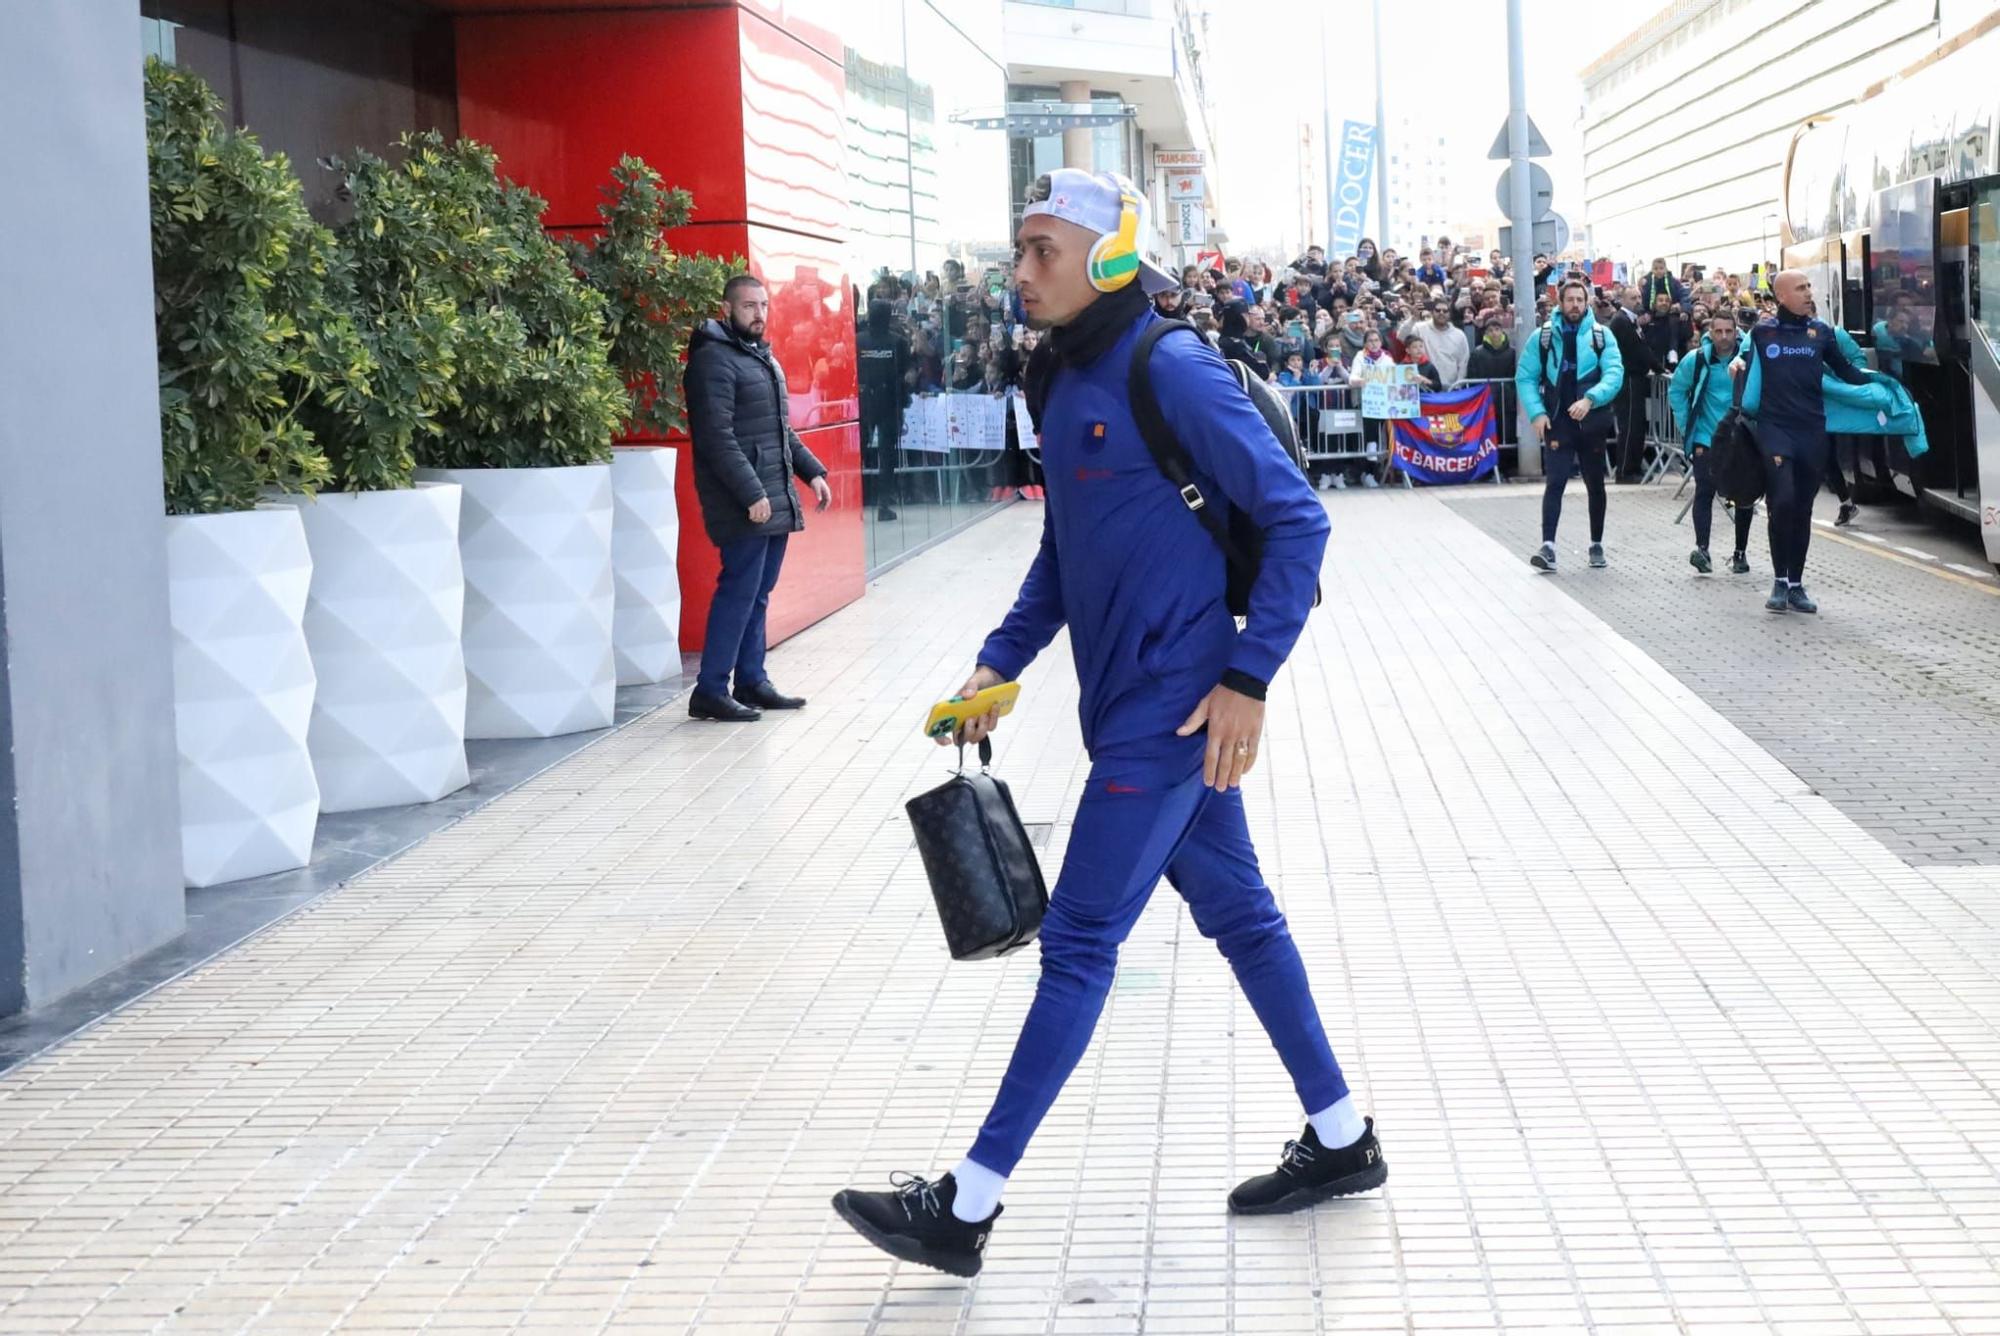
(243, 692)
(536, 544)
(645, 566)
(383, 621)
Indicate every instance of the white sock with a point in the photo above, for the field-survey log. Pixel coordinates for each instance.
(979, 1190)
(1339, 1124)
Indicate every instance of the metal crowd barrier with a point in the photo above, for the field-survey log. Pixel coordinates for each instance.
(1330, 425)
(947, 436)
(1664, 448)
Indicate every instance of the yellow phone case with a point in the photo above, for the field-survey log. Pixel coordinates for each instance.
(947, 717)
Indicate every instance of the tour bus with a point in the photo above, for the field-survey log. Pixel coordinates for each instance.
(1893, 207)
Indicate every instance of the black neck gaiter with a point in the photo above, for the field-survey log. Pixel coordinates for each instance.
(1081, 342)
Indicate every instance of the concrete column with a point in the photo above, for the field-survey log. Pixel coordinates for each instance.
(1076, 143)
(89, 805)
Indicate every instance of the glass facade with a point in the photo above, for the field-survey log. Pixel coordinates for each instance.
(930, 249)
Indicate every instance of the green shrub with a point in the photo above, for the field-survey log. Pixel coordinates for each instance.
(498, 348)
(653, 296)
(244, 328)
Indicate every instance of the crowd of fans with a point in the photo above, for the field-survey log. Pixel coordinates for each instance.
(1446, 309)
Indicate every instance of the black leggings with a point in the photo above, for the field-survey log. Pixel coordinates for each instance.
(1704, 505)
(1836, 481)
(1559, 463)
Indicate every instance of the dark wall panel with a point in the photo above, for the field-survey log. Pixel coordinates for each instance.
(314, 79)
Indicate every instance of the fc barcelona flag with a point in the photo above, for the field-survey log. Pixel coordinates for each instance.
(1456, 440)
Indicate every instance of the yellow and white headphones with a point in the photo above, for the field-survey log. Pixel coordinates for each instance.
(1114, 257)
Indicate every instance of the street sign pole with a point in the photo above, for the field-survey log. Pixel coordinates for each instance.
(1520, 212)
(1382, 238)
(1325, 135)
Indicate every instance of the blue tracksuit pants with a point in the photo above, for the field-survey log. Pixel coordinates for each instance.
(1794, 468)
(1137, 821)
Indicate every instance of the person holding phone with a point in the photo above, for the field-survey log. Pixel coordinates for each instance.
(1171, 708)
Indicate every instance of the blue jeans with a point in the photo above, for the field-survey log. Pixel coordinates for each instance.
(735, 640)
(1137, 821)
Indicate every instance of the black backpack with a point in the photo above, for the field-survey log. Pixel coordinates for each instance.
(1241, 541)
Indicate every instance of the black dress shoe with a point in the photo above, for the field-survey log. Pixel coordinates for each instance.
(1309, 1173)
(701, 705)
(913, 1221)
(764, 696)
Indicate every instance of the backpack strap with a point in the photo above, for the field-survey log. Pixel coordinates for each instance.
(1169, 455)
(1703, 364)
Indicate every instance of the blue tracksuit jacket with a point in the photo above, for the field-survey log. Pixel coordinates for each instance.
(1788, 356)
(1128, 567)
(1599, 377)
(1697, 421)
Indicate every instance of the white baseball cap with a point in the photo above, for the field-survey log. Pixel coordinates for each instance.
(1093, 201)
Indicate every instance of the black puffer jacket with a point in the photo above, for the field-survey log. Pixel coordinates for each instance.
(744, 447)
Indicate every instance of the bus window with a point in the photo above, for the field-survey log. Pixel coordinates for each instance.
(1986, 263)
(1904, 250)
(1854, 295)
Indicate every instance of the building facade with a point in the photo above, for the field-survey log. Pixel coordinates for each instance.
(1107, 85)
(1419, 167)
(833, 143)
(1686, 121)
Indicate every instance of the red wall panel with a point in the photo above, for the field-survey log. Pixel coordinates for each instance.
(563, 96)
(793, 132)
(825, 566)
(811, 331)
(743, 107)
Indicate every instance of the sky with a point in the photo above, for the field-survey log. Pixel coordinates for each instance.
(1447, 66)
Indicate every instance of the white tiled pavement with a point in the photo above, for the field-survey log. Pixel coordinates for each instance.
(1656, 1039)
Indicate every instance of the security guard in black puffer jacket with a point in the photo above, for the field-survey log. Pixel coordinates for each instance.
(745, 453)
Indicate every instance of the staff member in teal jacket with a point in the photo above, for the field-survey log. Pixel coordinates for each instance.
(1567, 380)
(1699, 396)
(1172, 708)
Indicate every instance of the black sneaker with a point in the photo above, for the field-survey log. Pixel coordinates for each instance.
(1848, 510)
(1544, 557)
(722, 709)
(1780, 598)
(913, 1221)
(1597, 562)
(1738, 564)
(1699, 560)
(764, 696)
(1308, 1173)
(1796, 596)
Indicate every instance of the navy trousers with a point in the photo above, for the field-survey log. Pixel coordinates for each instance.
(1138, 820)
(1577, 452)
(735, 641)
(1794, 468)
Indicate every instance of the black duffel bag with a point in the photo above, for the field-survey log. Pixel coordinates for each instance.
(1735, 460)
(983, 872)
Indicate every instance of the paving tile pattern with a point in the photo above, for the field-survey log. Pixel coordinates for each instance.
(1888, 702)
(1658, 1040)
